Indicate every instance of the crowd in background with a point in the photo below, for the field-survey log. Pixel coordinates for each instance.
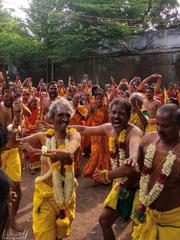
(90, 104)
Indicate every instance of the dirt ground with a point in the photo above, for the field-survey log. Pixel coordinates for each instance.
(90, 197)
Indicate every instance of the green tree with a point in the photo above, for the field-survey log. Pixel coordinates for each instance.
(17, 46)
(74, 29)
(65, 30)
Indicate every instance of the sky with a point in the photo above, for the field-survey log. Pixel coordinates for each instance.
(17, 4)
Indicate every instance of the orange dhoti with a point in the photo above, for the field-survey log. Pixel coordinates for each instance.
(32, 125)
(100, 156)
(76, 120)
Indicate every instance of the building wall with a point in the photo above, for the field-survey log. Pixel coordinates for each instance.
(150, 52)
(157, 51)
(167, 64)
(156, 40)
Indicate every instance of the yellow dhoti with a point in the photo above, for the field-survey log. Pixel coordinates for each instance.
(151, 127)
(11, 164)
(112, 198)
(46, 213)
(159, 226)
(121, 199)
(135, 206)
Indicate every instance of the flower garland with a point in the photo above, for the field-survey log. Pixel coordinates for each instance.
(11, 128)
(62, 194)
(146, 199)
(118, 161)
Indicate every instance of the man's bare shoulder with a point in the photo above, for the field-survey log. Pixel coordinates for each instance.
(108, 129)
(107, 125)
(149, 138)
(134, 130)
(3, 108)
(74, 135)
(157, 102)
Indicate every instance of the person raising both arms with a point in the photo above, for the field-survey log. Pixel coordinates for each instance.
(151, 105)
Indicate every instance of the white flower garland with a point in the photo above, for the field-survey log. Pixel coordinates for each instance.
(11, 128)
(57, 180)
(62, 195)
(118, 162)
(148, 198)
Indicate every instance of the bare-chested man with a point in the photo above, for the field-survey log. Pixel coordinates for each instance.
(160, 179)
(138, 116)
(10, 160)
(6, 107)
(61, 88)
(151, 105)
(53, 94)
(54, 196)
(123, 137)
(11, 164)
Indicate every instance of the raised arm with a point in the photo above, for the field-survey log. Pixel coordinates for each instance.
(146, 80)
(133, 80)
(91, 131)
(143, 119)
(158, 84)
(135, 138)
(113, 81)
(26, 110)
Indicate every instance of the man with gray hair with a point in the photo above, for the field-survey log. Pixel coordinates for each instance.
(54, 196)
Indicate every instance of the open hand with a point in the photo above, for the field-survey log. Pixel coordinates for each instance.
(100, 176)
(156, 75)
(12, 197)
(17, 106)
(131, 161)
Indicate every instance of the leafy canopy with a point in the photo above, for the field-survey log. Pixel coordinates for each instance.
(66, 30)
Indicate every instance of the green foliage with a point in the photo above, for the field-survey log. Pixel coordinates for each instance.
(76, 29)
(16, 45)
(66, 30)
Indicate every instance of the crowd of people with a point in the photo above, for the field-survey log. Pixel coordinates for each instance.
(128, 130)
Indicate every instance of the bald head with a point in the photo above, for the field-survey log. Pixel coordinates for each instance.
(136, 98)
(170, 111)
(168, 123)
